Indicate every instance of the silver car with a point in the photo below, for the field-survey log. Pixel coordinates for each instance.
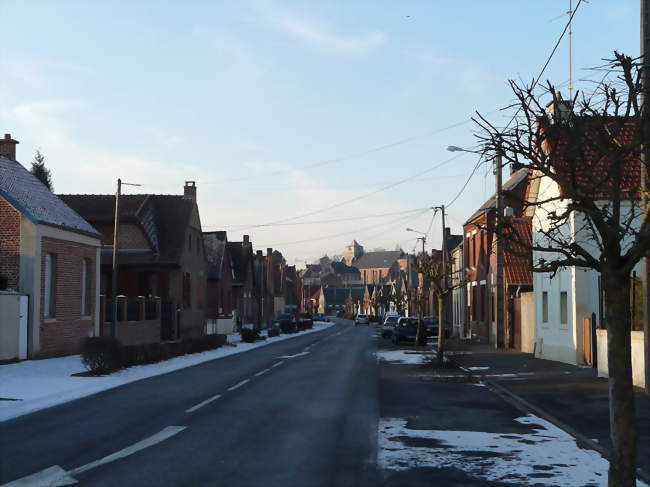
(362, 320)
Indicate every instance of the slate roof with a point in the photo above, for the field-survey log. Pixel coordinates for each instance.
(215, 244)
(374, 260)
(356, 293)
(343, 268)
(514, 180)
(240, 256)
(335, 295)
(36, 202)
(312, 270)
(453, 241)
(162, 218)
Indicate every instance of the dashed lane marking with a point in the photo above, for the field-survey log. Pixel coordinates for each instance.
(262, 372)
(278, 363)
(204, 403)
(239, 384)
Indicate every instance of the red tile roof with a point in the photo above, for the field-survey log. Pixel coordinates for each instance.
(516, 258)
(584, 156)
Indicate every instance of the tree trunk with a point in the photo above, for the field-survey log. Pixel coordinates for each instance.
(421, 336)
(622, 422)
(441, 332)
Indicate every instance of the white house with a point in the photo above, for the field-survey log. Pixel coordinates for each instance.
(569, 306)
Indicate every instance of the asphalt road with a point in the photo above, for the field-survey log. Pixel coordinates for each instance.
(302, 412)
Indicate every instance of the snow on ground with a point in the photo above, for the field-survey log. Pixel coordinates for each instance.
(39, 384)
(402, 356)
(547, 456)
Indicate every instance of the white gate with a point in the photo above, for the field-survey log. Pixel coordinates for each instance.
(23, 318)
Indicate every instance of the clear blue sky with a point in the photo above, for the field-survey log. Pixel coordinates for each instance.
(158, 92)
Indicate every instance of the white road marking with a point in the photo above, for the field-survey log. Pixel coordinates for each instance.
(262, 372)
(279, 363)
(56, 477)
(294, 356)
(239, 384)
(201, 404)
(161, 436)
(53, 476)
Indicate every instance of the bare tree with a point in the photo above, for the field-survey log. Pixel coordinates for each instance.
(40, 171)
(585, 153)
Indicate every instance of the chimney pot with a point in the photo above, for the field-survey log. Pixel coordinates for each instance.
(189, 190)
(8, 147)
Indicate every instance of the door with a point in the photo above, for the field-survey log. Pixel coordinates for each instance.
(587, 343)
(23, 318)
(166, 320)
(516, 322)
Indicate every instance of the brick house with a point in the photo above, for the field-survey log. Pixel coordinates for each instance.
(243, 282)
(480, 261)
(375, 267)
(51, 254)
(160, 254)
(219, 298)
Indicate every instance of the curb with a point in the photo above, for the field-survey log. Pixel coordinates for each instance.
(525, 406)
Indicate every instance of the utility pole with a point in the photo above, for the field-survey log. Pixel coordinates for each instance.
(499, 305)
(114, 276)
(645, 158)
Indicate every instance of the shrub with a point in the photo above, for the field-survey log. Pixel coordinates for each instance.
(249, 335)
(101, 355)
(273, 332)
(287, 327)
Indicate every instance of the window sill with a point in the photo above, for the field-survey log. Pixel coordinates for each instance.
(49, 320)
(87, 318)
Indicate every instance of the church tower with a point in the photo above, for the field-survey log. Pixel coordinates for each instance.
(352, 252)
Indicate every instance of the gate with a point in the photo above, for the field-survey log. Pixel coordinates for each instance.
(166, 320)
(587, 343)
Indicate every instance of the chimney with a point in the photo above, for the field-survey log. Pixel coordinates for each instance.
(189, 190)
(8, 147)
(247, 240)
(269, 251)
(559, 110)
(515, 166)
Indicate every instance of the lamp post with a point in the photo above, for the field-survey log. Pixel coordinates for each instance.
(499, 291)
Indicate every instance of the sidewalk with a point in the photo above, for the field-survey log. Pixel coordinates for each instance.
(567, 394)
(32, 385)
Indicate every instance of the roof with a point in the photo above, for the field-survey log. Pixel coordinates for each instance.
(454, 241)
(356, 293)
(343, 268)
(162, 218)
(517, 266)
(36, 202)
(241, 258)
(374, 260)
(514, 180)
(583, 155)
(335, 295)
(215, 244)
(312, 270)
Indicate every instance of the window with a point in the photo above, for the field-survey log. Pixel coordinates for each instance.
(49, 310)
(86, 287)
(545, 307)
(187, 290)
(189, 241)
(564, 310)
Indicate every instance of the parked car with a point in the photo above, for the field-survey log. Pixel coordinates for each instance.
(287, 323)
(405, 330)
(431, 322)
(362, 320)
(374, 319)
(388, 325)
(320, 317)
(305, 321)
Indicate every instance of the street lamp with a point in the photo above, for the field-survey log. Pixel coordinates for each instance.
(501, 337)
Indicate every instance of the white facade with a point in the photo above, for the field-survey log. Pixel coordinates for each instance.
(564, 301)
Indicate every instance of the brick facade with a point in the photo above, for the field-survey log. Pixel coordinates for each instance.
(9, 243)
(62, 334)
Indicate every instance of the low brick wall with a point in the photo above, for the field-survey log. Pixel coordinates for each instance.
(60, 338)
(135, 332)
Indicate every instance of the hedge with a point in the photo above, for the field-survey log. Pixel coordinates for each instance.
(103, 355)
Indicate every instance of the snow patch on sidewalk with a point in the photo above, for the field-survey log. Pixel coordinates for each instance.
(547, 456)
(39, 384)
(402, 356)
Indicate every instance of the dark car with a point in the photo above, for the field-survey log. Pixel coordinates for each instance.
(405, 330)
(305, 321)
(431, 322)
(287, 323)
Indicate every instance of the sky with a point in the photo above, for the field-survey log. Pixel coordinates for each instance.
(297, 114)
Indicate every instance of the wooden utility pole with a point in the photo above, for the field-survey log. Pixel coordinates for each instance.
(645, 158)
(442, 295)
(114, 277)
(498, 295)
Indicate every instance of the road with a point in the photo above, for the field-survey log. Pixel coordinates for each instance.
(299, 412)
(316, 410)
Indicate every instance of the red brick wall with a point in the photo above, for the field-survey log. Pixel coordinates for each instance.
(9, 243)
(62, 334)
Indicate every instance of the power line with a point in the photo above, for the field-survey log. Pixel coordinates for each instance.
(357, 198)
(315, 222)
